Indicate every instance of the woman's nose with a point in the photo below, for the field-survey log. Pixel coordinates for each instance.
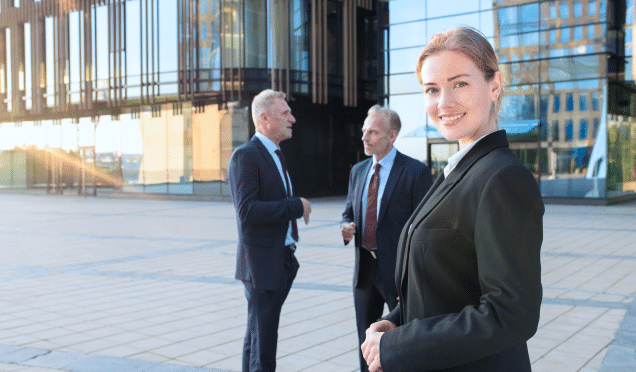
(446, 98)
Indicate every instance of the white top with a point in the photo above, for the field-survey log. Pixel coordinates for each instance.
(459, 155)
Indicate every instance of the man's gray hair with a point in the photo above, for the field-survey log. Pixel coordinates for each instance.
(264, 101)
(393, 119)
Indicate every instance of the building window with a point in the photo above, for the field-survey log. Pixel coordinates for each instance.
(565, 14)
(595, 101)
(582, 102)
(553, 36)
(569, 102)
(583, 129)
(590, 31)
(557, 103)
(553, 13)
(544, 101)
(578, 33)
(565, 35)
(555, 130)
(204, 6)
(204, 31)
(569, 129)
(597, 123)
(578, 9)
(591, 8)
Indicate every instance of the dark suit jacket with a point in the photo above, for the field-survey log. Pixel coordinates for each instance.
(468, 269)
(263, 212)
(408, 182)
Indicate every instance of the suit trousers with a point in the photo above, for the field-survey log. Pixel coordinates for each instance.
(369, 299)
(263, 316)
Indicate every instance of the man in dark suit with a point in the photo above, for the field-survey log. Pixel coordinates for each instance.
(266, 214)
(376, 210)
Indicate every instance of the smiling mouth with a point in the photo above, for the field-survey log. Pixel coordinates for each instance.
(450, 119)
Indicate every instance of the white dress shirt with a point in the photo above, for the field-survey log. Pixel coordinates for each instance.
(459, 155)
(385, 169)
(271, 148)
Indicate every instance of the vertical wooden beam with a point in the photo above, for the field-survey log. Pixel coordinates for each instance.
(4, 73)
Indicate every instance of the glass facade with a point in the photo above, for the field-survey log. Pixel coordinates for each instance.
(569, 102)
(153, 95)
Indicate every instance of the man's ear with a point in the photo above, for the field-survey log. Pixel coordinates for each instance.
(393, 135)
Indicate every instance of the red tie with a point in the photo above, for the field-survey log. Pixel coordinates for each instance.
(371, 219)
(284, 164)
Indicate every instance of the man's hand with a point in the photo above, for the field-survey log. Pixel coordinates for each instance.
(371, 346)
(306, 210)
(348, 230)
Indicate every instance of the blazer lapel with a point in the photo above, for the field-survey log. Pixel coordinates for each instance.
(436, 194)
(443, 186)
(272, 165)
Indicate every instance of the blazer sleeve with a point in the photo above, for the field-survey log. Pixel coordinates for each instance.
(347, 215)
(394, 315)
(508, 233)
(422, 184)
(247, 182)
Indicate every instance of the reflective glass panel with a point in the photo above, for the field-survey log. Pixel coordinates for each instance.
(404, 60)
(578, 33)
(583, 129)
(404, 83)
(621, 155)
(583, 102)
(565, 35)
(406, 10)
(578, 9)
(437, 8)
(564, 9)
(416, 32)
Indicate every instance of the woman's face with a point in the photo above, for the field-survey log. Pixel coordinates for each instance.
(457, 97)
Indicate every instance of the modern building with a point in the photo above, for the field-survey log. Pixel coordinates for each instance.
(570, 99)
(153, 95)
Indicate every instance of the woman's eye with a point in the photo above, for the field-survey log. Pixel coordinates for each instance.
(431, 90)
(461, 84)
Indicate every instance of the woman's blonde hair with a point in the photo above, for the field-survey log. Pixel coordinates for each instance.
(469, 42)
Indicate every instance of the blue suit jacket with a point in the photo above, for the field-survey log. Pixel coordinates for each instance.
(263, 212)
(408, 182)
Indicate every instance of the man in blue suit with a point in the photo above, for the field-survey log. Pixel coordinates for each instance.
(266, 213)
(383, 192)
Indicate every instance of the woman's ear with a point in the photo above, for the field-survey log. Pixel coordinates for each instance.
(495, 86)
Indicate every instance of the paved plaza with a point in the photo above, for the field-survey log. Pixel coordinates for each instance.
(120, 284)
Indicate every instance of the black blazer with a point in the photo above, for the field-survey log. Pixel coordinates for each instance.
(468, 269)
(263, 212)
(408, 182)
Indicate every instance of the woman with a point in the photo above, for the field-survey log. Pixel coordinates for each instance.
(468, 267)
